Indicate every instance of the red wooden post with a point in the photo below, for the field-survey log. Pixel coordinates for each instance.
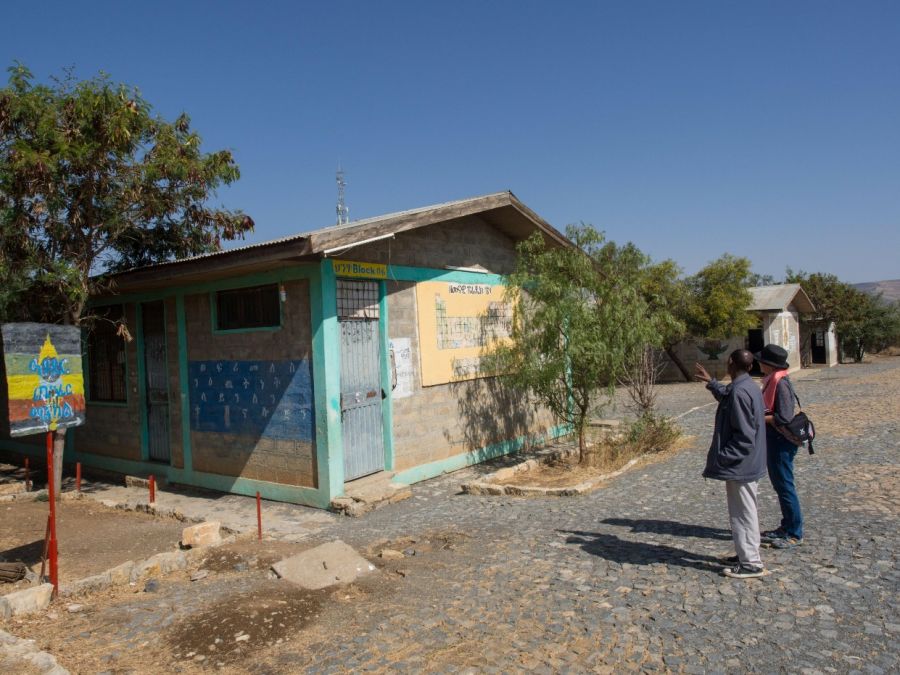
(27, 474)
(78, 477)
(258, 517)
(51, 493)
(152, 490)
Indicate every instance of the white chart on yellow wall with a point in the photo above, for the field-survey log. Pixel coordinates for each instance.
(457, 324)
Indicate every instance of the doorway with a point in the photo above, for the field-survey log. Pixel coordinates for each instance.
(755, 343)
(156, 380)
(818, 347)
(361, 393)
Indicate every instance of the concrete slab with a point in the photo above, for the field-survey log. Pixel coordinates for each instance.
(369, 493)
(322, 566)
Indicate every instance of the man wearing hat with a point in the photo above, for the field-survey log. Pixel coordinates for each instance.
(778, 398)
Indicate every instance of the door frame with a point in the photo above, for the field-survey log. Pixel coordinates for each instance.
(142, 382)
(384, 347)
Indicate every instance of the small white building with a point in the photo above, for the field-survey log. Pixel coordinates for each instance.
(778, 309)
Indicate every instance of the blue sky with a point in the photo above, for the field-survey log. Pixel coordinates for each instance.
(765, 129)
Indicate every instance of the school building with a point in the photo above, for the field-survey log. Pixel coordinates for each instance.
(294, 366)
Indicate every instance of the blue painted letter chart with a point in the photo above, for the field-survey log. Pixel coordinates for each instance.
(271, 399)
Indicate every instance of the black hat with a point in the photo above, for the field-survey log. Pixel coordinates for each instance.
(774, 356)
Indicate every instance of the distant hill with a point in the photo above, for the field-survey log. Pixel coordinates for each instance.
(890, 290)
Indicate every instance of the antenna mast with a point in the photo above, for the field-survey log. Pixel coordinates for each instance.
(343, 211)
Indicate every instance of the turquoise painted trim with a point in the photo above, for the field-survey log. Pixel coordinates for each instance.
(142, 380)
(404, 273)
(432, 469)
(181, 324)
(387, 405)
(306, 271)
(214, 315)
(327, 381)
(249, 487)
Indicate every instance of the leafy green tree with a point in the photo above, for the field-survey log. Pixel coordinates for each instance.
(712, 304)
(872, 326)
(92, 181)
(579, 318)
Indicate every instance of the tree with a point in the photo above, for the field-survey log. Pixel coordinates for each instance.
(712, 304)
(91, 181)
(872, 326)
(579, 317)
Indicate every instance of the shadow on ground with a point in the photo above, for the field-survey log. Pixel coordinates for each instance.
(610, 547)
(670, 527)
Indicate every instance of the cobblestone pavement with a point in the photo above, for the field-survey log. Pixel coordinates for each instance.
(626, 578)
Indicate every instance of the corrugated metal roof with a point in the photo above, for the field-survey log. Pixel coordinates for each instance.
(349, 227)
(777, 298)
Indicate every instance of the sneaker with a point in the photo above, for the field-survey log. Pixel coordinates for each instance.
(771, 535)
(741, 571)
(786, 543)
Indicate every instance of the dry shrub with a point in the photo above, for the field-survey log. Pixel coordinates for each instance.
(651, 433)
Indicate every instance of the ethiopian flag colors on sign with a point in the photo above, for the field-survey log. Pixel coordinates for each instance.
(42, 374)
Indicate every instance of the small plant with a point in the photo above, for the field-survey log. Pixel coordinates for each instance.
(651, 433)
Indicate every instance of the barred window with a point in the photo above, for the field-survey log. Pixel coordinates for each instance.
(106, 357)
(242, 308)
(357, 300)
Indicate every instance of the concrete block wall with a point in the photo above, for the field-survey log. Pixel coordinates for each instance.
(261, 458)
(466, 242)
(690, 353)
(441, 421)
(113, 430)
(783, 329)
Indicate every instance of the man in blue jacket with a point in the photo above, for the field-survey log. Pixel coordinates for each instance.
(737, 455)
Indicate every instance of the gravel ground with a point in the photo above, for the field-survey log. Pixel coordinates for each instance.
(626, 578)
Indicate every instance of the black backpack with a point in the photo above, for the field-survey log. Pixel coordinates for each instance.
(799, 430)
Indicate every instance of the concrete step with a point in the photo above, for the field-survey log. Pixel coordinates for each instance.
(369, 493)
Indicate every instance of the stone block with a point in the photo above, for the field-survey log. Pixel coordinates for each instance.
(28, 601)
(202, 534)
(323, 566)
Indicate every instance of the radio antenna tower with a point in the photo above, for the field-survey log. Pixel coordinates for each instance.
(343, 211)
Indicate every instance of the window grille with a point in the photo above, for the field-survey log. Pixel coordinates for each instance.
(241, 308)
(106, 357)
(357, 300)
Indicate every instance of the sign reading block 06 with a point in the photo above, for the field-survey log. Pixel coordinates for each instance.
(42, 382)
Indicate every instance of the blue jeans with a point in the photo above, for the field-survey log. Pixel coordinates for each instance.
(780, 460)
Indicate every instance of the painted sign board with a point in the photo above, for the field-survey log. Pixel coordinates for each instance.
(43, 384)
(458, 323)
(361, 270)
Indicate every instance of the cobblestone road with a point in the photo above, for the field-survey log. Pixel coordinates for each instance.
(624, 579)
(627, 578)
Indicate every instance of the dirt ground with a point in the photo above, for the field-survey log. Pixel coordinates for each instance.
(223, 620)
(92, 537)
(567, 471)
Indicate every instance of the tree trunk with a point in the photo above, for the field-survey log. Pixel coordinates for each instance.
(670, 352)
(59, 446)
(582, 448)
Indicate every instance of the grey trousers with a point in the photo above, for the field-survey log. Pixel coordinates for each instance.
(744, 518)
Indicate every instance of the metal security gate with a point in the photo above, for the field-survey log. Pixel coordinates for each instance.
(156, 392)
(361, 394)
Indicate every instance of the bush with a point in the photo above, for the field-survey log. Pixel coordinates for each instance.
(651, 433)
